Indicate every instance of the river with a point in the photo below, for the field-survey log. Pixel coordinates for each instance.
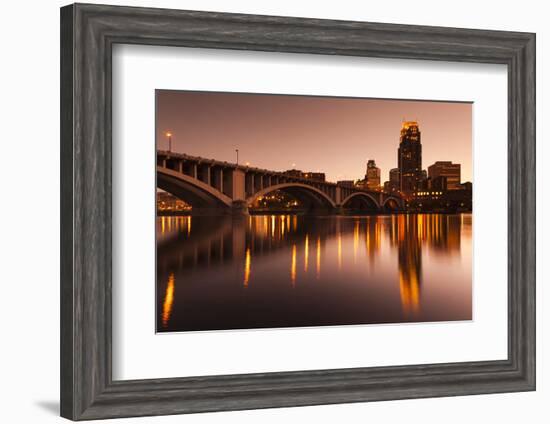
(219, 273)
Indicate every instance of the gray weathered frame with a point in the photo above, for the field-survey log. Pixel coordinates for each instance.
(88, 33)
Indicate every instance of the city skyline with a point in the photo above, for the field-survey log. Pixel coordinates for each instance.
(333, 135)
(306, 225)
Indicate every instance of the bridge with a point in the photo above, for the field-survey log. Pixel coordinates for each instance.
(215, 187)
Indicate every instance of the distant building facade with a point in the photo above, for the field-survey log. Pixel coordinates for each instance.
(372, 176)
(167, 202)
(437, 198)
(409, 158)
(346, 183)
(294, 173)
(395, 179)
(438, 183)
(447, 169)
(423, 181)
(317, 176)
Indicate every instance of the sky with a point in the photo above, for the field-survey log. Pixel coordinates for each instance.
(328, 134)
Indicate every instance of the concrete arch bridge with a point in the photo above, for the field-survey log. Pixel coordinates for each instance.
(214, 187)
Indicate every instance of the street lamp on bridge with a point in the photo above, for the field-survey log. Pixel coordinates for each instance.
(169, 135)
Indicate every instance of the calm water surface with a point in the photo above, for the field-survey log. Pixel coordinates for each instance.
(217, 273)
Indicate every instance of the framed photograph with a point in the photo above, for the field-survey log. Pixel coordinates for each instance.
(269, 211)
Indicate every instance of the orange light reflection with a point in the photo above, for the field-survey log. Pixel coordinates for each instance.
(168, 300)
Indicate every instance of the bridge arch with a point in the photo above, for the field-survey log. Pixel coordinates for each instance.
(199, 195)
(310, 197)
(365, 199)
(392, 203)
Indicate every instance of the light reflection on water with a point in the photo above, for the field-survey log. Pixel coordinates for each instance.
(168, 300)
(257, 271)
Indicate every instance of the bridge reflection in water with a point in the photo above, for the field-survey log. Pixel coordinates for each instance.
(285, 271)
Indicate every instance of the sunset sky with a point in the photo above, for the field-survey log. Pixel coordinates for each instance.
(328, 134)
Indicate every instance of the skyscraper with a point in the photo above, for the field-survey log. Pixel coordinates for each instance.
(372, 176)
(409, 158)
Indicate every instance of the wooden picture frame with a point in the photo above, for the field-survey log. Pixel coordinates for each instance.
(88, 33)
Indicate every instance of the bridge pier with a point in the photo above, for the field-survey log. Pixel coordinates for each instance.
(239, 208)
(238, 185)
(338, 210)
(338, 195)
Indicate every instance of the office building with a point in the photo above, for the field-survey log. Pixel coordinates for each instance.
(446, 169)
